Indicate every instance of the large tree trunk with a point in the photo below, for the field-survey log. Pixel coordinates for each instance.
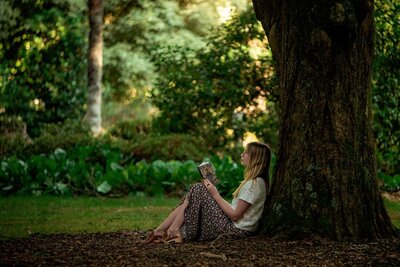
(325, 179)
(95, 65)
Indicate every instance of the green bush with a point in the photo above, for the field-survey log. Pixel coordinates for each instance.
(130, 129)
(13, 136)
(168, 147)
(219, 92)
(43, 76)
(386, 86)
(67, 136)
(130, 139)
(92, 171)
(59, 135)
(12, 144)
(389, 183)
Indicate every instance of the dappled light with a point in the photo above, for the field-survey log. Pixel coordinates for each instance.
(248, 138)
(216, 82)
(107, 108)
(225, 13)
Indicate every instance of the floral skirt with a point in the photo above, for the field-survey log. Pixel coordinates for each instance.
(204, 220)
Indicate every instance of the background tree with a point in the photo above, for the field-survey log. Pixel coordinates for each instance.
(95, 65)
(42, 61)
(325, 177)
(221, 91)
(135, 32)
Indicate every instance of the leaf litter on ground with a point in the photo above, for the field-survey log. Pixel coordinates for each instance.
(123, 248)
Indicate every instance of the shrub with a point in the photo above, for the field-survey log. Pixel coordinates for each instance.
(130, 129)
(219, 92)
(168, 147)
(389, 183)
(91, 171)
(43, 74)
(13, 136)
(66, 136)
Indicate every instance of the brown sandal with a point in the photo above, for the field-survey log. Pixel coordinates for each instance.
(175, 239)
(156, 239)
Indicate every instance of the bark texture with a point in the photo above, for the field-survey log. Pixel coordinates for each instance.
(95, 65)
(325, 179)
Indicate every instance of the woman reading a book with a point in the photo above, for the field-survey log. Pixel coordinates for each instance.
(204, 215)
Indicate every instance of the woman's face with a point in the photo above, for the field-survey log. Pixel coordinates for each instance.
(245, 158)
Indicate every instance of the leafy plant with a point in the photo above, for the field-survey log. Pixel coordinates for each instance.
(130, 129)
(43, 75)
(390, 183)
(386, 85)
(169, 146)
(83, 172)
(219, 92)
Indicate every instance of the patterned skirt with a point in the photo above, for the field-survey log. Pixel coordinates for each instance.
(204, 220)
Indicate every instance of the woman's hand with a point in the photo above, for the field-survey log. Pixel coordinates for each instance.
(234, 214)
(210, 187)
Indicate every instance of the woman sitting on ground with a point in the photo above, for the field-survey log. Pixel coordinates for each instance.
(204, 214)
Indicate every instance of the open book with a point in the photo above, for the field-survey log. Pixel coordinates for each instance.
(207, 171)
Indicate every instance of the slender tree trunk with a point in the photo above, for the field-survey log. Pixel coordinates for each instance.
(325, 179)
(95, 65)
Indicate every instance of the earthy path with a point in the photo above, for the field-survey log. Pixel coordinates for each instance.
(122, 249)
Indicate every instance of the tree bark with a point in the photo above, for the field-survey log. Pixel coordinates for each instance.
(325, 179)
(95, 65)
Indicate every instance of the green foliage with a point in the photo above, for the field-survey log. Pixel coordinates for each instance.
(138, 111)
(43, 75)
(99, 171)
(211, 84)
(13, 136)
(219, 92)
(65, 135)
(131, 130)
(229, 172)
(125, 70)
(44, 51)
(131, 138)
(58, 173)
(393, 209)
(389, 183)
(133, 30)
(169, 146)
(65, 159)
(386, 86)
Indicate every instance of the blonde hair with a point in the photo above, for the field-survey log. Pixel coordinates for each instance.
(258, 166)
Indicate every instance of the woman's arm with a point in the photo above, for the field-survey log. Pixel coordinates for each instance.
(233, 214)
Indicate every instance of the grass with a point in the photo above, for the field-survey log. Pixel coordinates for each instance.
(393, 208)
(21, 216)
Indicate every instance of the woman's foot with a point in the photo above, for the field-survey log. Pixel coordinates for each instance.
(155, 236)
(159, 232)
(174, 238)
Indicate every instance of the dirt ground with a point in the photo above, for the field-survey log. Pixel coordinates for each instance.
(123, 249)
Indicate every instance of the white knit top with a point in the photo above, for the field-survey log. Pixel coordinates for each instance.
(254, 193)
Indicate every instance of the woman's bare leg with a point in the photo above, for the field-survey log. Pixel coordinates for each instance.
(166, 224)
(179, 219)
